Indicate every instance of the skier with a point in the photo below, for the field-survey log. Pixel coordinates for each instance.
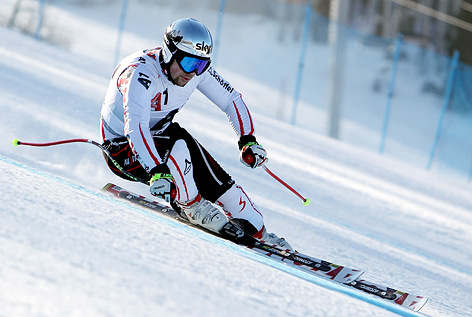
(147, 89)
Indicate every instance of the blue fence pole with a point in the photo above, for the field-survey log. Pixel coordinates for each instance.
(40, 18)
(470, 173)
(121, 27)
(447, 99)
(216, 45)
(306, 29)
(391, 89)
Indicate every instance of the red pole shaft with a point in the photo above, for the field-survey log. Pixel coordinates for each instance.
(17, 142)
(54, 143)
(306, 201)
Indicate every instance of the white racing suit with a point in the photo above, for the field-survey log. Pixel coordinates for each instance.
(137, 128)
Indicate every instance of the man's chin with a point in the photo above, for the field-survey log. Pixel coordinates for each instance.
(181, 82)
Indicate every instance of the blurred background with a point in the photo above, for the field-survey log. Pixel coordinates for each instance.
(390, 76)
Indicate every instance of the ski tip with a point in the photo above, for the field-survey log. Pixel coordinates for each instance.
(306, 202)
(16, 142)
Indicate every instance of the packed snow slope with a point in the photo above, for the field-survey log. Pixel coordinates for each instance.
(68, 250)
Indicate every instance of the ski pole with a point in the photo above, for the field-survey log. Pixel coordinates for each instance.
(306, 201)
(17, 142)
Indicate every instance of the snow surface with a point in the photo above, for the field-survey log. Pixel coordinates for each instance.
(68, 250)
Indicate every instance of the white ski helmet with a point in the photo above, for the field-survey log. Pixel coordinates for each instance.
(188, 42)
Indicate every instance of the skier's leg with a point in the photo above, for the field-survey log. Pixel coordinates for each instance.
(213, 184)
(244, 213)
(181, 167)
(210, 179)
(198, 210)
(238, 206)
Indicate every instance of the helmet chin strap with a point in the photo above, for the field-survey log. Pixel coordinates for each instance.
(166, 66)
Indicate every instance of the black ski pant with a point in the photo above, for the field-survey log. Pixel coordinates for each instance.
(211, 180)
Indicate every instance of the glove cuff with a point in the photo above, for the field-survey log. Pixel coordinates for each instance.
(245, 139)
(159, 169)
(161, 175)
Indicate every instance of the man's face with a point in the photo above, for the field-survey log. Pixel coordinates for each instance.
(179, 77)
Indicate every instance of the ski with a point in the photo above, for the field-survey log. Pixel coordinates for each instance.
(325, 269)
(319, 267)
(322, 268)
(142, 201)
(411, 301)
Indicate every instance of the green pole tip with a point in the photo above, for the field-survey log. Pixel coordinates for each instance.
(306, 202)
(16, 142)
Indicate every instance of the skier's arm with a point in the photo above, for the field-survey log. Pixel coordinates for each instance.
(220, 92)
(137, 87)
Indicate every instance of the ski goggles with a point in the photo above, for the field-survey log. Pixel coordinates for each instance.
(193, 64)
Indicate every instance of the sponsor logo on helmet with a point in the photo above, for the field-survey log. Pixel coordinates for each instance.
(204, 48)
